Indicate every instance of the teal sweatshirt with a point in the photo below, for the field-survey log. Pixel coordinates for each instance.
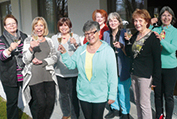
(169, 44)
(103, 84)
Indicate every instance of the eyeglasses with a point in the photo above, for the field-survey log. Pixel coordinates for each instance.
(10, 24)
(92, 33)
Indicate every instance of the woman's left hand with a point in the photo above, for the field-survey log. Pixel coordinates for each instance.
(110, 101)
(158, 35)
(72, 40)
(118, 45)
(36, 61)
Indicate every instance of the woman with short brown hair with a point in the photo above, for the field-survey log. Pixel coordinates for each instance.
(144, 51)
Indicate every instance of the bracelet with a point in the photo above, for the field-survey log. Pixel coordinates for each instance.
(9, 49)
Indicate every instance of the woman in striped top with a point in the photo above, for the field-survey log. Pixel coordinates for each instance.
(11, 65)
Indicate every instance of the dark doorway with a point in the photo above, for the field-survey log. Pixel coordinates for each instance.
(159, 4)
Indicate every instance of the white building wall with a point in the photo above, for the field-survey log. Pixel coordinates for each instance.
(79, 11)
(24, 11)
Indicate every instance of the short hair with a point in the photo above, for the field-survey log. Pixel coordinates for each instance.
(168, 9)
(90, 25)
(63, 20)
(36, 20)
(9, 16)
(102, 12)
(115, 15)
(142, 13)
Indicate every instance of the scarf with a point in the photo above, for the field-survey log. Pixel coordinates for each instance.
(17, 52)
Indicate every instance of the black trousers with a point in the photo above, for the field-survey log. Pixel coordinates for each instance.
(43, 100)
(69, 102)
(165, 89)
(12, 100)
(92, 110)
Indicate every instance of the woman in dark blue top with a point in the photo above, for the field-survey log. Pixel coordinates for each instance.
(115, 38)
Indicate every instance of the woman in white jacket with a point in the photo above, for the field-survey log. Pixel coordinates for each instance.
(39, 56)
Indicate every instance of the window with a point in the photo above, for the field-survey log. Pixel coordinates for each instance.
(5, 8)
(125, 7)
(52, 11)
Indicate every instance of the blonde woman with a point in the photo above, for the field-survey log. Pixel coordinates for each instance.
(39, 55)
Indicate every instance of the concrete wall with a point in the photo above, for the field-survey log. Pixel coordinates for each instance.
(81, 11)
(24, 11)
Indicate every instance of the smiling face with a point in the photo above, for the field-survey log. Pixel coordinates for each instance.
(140, 24)
(92, 36)
(10, 25)
(100, 19)
(64, 29)
(39, 28)
(114, 23)
(166, 18)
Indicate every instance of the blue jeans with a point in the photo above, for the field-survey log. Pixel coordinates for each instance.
(123, 97)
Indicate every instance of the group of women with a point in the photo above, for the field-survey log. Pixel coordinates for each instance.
(99, 72)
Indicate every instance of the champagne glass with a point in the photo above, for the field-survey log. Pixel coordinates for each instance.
(156, 14)
(16, 40)
(129, 35)
(35, 36)
(115, 47)
(59, 40)
(71, 34)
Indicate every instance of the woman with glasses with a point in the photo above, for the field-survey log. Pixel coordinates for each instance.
(11, 64)
(66, 78)
(97, 78)
(167, 35)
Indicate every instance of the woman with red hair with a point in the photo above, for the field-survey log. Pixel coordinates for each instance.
(100, 16)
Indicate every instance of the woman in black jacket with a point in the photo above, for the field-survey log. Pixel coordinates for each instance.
(144, 50)
(11, 64)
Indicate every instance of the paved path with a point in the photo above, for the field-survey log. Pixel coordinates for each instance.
(57, 114)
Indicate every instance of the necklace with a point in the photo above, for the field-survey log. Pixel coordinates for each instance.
(142, 35)
(40, 40)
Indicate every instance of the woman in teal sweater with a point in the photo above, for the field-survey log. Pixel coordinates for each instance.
(97, 78)
(168, 39)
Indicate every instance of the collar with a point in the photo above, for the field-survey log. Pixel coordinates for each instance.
(166, 27)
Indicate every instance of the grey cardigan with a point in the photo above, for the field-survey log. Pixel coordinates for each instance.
(27, 58)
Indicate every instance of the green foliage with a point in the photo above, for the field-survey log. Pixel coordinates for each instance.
(3, 114)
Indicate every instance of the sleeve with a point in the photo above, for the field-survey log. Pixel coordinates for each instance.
(156, 53)
(77, 39)
(70, 61)
(3, 54)
(27, 54)
(171, 46)
(112, 74)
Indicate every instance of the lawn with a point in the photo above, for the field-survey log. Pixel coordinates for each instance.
(3, 111)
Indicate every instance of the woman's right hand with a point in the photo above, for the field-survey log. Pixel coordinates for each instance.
(61, 49)
(154, 20)
(34, 43)
(13, 46)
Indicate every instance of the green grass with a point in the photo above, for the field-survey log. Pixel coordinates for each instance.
(3, 114)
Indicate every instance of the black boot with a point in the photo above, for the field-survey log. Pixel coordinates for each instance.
(125, 116)
(112, 113)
